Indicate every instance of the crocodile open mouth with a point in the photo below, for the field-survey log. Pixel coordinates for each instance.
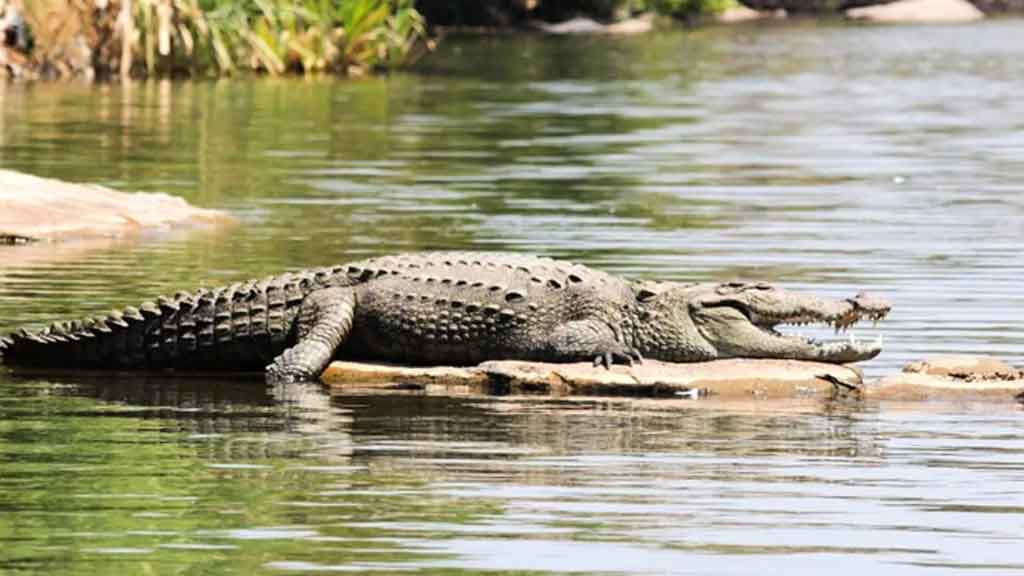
(816, 318)
(816, 324)
(843, 320)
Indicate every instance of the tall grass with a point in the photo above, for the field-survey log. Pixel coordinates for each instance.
(217, 37)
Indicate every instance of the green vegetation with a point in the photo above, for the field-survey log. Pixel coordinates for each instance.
(216, 37)
(688, 9)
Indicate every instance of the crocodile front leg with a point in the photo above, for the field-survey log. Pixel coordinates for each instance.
(323, 321)
(593, 340)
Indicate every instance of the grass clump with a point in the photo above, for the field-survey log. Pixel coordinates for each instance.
(218, 37)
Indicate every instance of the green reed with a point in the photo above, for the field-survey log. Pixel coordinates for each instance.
(218, 37)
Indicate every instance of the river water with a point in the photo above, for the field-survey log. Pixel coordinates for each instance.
(821, 157)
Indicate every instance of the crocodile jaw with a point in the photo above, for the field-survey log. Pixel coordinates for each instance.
(743, 321)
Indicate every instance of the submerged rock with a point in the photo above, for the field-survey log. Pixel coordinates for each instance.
(43, 208)
(737, 378)
(954, 377)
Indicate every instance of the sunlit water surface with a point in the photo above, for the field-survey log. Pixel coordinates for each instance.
(824, 158)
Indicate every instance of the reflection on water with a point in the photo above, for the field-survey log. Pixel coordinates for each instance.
(129, 473)
(823, 157)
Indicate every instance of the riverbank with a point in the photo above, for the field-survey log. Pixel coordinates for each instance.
(178, 38)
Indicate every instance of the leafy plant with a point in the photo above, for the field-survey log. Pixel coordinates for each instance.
(225, 36)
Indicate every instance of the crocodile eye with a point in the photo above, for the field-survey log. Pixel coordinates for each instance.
(645, 295)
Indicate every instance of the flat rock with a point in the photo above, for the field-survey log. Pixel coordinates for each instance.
(918, 11)
(43, 208)
(954, 377)
(737, 378)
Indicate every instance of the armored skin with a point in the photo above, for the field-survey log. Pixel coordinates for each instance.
(447, 308)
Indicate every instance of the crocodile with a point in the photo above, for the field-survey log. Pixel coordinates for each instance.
(457, 308)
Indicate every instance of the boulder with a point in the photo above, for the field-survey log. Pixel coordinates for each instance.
(33, 208)
(918, 11)
(955, 377)
(737, 378)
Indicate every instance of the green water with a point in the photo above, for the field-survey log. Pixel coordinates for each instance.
(825, 158)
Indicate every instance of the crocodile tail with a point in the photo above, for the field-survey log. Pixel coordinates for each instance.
(96, 342)
(238, 327)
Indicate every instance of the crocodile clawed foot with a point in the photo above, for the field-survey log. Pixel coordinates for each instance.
(637, 356)
(624, 355)
(277, 375)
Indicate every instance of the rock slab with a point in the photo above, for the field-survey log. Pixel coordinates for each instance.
(43, 208)
(736, 378)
